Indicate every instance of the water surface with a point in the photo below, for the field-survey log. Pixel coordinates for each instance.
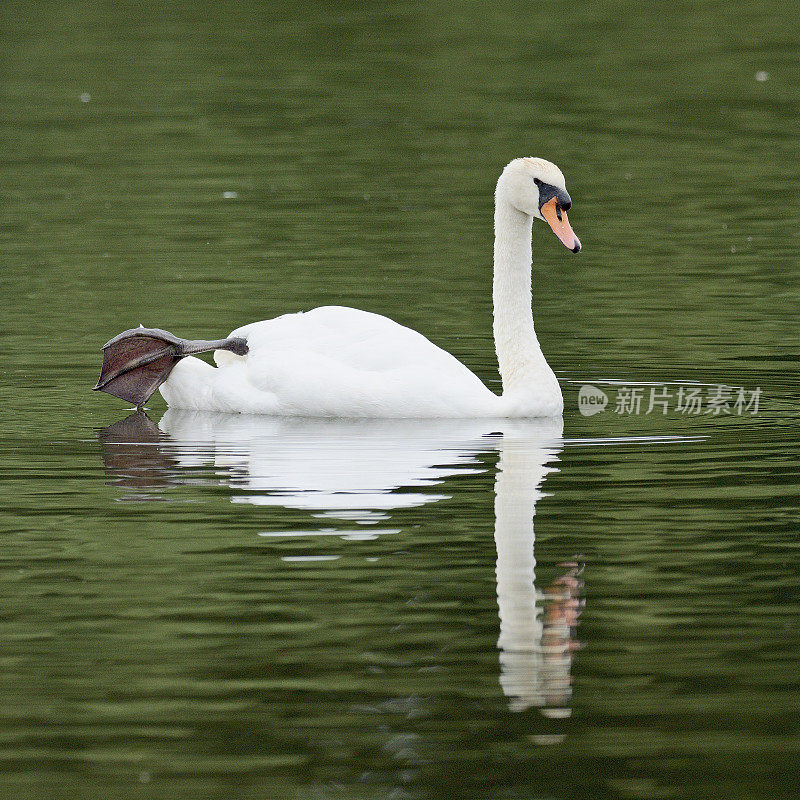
(200, 606)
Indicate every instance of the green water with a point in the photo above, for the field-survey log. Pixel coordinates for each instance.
(196, 607)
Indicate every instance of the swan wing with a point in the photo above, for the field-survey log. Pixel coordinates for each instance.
(336, 361)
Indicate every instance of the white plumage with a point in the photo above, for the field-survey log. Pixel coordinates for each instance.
(331, 362)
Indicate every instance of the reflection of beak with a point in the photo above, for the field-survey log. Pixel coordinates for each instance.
(557, 219)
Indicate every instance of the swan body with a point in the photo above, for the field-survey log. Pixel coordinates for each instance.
(342, 362)
(332, 362)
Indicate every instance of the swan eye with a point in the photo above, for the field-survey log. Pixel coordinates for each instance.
(537, 181)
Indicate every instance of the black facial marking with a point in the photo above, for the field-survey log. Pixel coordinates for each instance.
(547, 192)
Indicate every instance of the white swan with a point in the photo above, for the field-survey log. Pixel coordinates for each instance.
(342, 362)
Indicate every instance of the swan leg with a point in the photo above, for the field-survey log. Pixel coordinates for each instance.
(138, 361)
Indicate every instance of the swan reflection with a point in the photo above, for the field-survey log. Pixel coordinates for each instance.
(359, 470)
(536, 630)
(344, 469)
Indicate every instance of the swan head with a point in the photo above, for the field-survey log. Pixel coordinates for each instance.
(536, 187)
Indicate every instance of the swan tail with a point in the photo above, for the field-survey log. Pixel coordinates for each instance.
(138, 361)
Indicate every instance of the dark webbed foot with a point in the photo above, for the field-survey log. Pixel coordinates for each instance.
(138, 361)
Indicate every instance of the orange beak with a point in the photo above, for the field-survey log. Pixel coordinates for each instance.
(557, 219)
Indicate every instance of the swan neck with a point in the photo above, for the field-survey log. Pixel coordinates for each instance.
(519, 355)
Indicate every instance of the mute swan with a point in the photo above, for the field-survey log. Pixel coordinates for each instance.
(342, 362)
